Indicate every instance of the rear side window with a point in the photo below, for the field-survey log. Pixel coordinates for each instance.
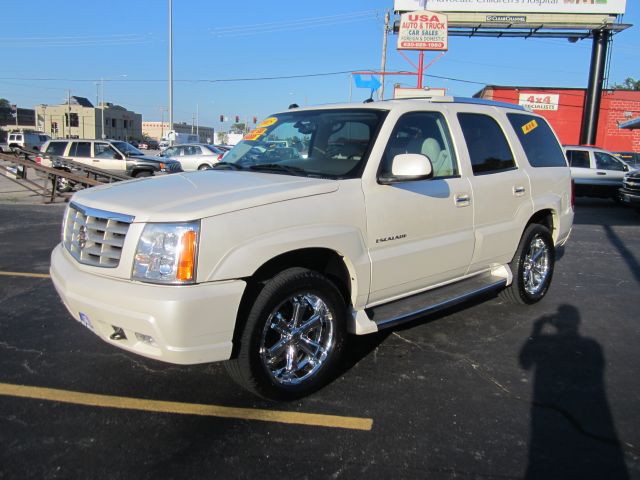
(578, 158)
(56, 148)
(537, 140)
(80, 149)
(488, 147)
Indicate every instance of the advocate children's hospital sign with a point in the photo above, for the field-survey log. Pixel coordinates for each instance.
(423, 30)
(529, 6)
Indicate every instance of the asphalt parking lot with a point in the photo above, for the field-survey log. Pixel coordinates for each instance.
(483, 391)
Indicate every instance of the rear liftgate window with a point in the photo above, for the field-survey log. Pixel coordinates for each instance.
(537, 140)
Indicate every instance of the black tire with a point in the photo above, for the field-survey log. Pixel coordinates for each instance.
(204, 166)
(530, 284)
(64, 185)
(296, 368)
(143, 174)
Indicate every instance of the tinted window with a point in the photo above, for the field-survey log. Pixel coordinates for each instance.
(608, 162)
(80, 149)
(578, 158)
(425, 133)
(56, 148)
(488, 147)
(537, 140)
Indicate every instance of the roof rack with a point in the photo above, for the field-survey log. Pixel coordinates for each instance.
(469, 100)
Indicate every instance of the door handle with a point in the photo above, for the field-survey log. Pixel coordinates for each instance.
(462, 200)
(518, 190)
(601, 173)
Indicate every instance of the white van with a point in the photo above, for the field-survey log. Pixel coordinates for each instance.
(27, 140)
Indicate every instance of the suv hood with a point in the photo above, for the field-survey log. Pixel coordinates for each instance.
(191, 196)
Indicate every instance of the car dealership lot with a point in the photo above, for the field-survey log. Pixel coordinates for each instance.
(472, 393)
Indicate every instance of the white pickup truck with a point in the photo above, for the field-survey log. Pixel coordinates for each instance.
(374, 215)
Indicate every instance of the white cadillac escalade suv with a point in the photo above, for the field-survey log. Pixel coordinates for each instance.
(321, 222)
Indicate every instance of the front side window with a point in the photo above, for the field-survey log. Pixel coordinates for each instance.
(537, 140)
(332, 143)
(80, 149)
(424, 133)
(104, 150)
(170, 152)
(578, 158)
(489, 150)
(605, 161)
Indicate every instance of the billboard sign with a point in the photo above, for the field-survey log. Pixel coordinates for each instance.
(539, 101)
(526, 6)
(423, 30)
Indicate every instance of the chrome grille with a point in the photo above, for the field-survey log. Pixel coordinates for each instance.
(95, 237)
(632, 183)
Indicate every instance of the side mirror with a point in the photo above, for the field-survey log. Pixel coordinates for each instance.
(625, 167)
(117, 156)
(408, 167)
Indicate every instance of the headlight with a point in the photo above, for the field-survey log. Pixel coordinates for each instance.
(167, 253)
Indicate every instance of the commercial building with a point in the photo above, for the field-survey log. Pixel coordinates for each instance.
(157, 130)
(80, 119)
(564, 108)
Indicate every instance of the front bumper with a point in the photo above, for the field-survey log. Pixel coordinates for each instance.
(187, 324)
(630, 197)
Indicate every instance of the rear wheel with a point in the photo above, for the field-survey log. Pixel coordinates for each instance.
(293, 338)
(204, 166)
(142, 174)
(532, 266)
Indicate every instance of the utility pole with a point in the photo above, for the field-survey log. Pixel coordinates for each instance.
(170, 69)
(102, 135)
(68, 122)
(198, 120)
(384, 51)
(193, 122)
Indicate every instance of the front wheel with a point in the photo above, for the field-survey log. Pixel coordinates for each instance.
(143, 174)
(532, 266)
(293, 338)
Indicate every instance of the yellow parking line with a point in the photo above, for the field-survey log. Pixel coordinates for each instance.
(25, 274)
(109, 401)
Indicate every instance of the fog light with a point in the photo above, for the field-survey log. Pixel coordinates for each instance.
(118, 333)
(148, 339)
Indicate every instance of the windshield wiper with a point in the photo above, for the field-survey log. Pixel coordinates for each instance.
(227, 166)
(277, 167)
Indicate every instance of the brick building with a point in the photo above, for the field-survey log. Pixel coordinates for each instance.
(563, 107)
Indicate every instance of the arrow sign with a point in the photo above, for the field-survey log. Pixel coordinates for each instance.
(373, 83)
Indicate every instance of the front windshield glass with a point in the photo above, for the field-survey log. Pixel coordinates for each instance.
(128, 149)
(315, 143)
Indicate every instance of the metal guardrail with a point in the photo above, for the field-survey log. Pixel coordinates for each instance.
(74, 172)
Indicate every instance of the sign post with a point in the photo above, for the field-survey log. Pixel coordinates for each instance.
(423, 30)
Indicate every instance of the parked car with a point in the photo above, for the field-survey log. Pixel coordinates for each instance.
(630, 191)
(630, 158)
(194, 156)
(596, 172)
(153, 145)
(401, 208)
(26, 140)
(112, 155)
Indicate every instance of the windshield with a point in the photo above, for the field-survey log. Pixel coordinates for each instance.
(318, 143)
(127, 149)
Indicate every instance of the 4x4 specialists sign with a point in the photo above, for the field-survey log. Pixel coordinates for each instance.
(423, 30)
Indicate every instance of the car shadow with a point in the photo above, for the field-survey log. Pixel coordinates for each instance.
(603, 211)
(573, 435)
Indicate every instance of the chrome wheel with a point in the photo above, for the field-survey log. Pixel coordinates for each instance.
(297, 339)
(536, 265)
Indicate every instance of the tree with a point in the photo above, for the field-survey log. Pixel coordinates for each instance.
(238, 128)
(4, 103)
(630, 83)
(223, 138)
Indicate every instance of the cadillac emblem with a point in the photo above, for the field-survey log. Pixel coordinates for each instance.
(82, 237)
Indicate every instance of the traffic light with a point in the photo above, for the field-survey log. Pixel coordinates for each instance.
(237, 118)
(221, 118)
(255, 120)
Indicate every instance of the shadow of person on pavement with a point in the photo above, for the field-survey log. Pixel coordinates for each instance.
(572, 431)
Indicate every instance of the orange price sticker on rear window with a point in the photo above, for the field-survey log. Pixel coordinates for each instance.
(527, 127)
(255, 134)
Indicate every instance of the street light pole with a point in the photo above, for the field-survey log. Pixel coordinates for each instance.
(102, 135)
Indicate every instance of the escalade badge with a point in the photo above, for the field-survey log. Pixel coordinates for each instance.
(82, 237)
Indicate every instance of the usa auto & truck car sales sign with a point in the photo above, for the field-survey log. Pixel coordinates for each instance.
(423, 30)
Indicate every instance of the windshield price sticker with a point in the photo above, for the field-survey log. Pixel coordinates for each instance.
(267, 122)
(528, 127)
(255, 134)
